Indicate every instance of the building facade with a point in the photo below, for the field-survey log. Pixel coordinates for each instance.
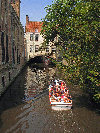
(11, 42)
(34, 40)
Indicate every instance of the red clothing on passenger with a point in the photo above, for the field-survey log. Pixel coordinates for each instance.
(61, 83)
(62, 96)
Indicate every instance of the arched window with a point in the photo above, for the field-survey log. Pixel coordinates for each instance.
(2, 46)
(3, 81)
(7, 56)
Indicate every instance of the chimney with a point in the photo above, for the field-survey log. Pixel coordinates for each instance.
(27, 19)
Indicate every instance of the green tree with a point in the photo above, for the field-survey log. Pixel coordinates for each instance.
(76, 23)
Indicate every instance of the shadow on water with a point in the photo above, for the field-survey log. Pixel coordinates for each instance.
(80, 98)
(27, 86)
(83, 100)
(14, 94)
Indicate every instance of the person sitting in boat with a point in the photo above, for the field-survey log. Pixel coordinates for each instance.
(59, 99)
(66, 87)
(61, 83)
(56, 82)
(66, 93)
(62, 91)
(69, 98)
(62, 87)
(54, 92)
(66, 98)
(54, 88)
(59, 92)
(56, 95)
(50, 89)
(50, 86)
(51, 93)
(62, 97)
(58, 89)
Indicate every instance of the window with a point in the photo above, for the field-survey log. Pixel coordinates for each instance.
(31, 37)
(7, 56)
(3, 82)
(36, 48)
(47, 50)
(9, 76)
(31, 48)
(13, 55)
(53, 49)
(0, 28)
(19, 59)
(36, 37)
(17, 56)
(36, 30)
(2, 46)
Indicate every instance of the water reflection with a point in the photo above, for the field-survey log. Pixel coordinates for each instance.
(35, 114)
(37, 81)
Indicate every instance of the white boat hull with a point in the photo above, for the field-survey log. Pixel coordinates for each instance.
(61, 105)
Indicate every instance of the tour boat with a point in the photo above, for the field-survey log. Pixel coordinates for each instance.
(59, 96)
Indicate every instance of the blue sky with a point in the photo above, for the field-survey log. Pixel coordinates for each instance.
(34, 9)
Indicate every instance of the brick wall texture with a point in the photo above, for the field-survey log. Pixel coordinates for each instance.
(12, 50)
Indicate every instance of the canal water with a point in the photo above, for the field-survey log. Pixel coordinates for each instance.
(25, 107)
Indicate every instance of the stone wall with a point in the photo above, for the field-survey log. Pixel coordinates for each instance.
(12, 57)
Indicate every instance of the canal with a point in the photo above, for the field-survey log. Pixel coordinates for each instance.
(25, 108)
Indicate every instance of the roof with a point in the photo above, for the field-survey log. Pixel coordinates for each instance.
(31, 26)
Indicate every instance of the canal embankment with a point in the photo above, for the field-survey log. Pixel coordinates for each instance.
(8, 75)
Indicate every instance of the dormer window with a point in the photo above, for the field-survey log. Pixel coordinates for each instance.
(36, 30)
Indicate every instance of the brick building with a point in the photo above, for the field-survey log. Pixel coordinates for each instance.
(11, 42)
(34, 39)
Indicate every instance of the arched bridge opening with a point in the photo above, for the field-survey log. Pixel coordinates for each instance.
(36, 59)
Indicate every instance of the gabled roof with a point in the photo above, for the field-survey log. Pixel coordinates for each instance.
(31, 26)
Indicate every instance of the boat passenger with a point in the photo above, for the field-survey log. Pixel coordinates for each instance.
(61, 83)
(51, 93)
(62, 92)
(54, 89)
(67, 91)
(70, 97)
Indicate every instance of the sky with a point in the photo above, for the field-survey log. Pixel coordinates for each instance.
(34, 9)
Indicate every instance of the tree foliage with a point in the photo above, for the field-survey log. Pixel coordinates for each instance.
(76, 23)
